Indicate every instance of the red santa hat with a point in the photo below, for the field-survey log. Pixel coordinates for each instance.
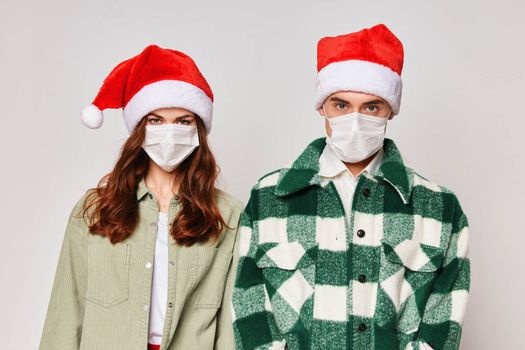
(369, 61)
(155, 78)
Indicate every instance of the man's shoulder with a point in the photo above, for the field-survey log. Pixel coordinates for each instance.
(271, 179)
(439, 202)
(428, 187)
(268, 180)
(427, 184)
(310, 154)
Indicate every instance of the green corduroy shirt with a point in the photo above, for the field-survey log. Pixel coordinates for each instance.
(101, 292)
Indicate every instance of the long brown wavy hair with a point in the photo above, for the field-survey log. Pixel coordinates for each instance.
(113, 206)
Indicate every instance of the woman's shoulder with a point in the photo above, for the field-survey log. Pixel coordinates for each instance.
(78, 224)
(228, 202)
(77, 212)
(230, 208)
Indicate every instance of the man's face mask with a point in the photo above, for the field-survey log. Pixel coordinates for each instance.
(356, 136)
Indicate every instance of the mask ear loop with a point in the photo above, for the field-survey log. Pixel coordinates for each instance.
(388, 119)
(325, 116)
(328, 120)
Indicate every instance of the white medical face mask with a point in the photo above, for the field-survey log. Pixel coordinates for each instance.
(356, 136)
(169, 144)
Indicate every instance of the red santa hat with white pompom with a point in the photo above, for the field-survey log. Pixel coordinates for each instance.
(155, 78)
(369, 61)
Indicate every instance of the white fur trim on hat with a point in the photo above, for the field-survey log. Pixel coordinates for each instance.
(359, 76)
(92, 117)
(168, 93)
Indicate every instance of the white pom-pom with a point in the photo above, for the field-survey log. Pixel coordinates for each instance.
(92, 117)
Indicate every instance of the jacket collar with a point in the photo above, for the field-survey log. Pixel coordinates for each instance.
(304, 171)
(142, 190)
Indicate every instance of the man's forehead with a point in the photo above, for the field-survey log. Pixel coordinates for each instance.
(355, 97)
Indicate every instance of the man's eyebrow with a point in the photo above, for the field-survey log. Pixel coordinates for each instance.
(340, 100)
(375, 102)
(337, 99)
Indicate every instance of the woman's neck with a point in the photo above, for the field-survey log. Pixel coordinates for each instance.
(162, 183)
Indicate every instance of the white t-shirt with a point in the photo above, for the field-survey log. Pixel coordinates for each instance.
(159, 290)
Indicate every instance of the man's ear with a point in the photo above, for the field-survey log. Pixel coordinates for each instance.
(391, 115)
(321, 111)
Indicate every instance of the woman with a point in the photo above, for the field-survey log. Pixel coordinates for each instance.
(148, 256)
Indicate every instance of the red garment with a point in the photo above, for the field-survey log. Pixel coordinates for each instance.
(153, 346)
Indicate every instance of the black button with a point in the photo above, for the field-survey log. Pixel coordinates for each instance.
(361, 278)
(361, 327)
(360, 233)
(170, 304)
(366, 192)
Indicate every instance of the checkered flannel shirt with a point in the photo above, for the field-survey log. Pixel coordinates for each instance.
(395, 276)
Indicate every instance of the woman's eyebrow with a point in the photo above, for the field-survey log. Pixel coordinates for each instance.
(177, 118)
(184, 116)
(155, 115)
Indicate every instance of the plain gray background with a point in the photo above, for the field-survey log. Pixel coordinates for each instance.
(460, 125)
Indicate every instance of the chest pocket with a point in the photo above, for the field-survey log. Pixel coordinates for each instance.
(108, 273)
(286, 255)
(210, 275)
(288, 269)
(413, 255)
(407, 267)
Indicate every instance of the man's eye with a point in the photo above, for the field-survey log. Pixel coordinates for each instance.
(341, 106)
(372, 108)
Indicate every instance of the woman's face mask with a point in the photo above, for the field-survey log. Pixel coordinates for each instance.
(169, 144)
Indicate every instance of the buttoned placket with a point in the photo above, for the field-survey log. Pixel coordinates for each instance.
(150, 242)
(172, 258)
(361, 191)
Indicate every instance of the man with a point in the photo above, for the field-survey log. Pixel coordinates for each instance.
(349, 247)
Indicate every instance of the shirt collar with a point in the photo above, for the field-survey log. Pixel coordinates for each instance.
(331, 166)
(142, 190)
(304, 171)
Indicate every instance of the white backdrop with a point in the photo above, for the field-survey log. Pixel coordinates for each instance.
(460, 124)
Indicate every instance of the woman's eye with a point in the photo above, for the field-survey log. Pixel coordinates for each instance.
(185, 122)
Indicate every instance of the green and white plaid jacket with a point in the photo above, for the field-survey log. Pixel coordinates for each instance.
(396, 276)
